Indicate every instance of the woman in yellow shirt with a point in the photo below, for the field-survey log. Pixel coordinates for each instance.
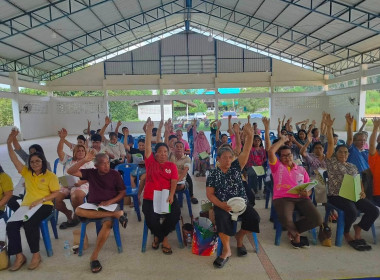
(41, 188)
(6, 189)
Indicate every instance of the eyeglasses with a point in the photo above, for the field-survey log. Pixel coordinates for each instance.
(35, 161)
(287, 155)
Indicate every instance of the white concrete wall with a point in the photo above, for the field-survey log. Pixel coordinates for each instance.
(154, 112)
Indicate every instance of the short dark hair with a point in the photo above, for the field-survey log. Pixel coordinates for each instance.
(141, 140)
(221, 136)
(161, 144)
(172, 136)
(81, 137)
(154, 131)
(179, 142)
(335, 135)
(284, 147)
(254, 123)
(301, 130)
(42, 157)
(38, 148)
(341, 146)
(314, 130)
(315, 144)
(112, 134)
(96, 138)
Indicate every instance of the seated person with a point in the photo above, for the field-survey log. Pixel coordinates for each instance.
(186, 145)
(120, 136)
(113, 149)
(286, 175)
(182, 162)
(224, 183)
(201, 145)
(337, 166)
(161, 174)
(137, 157)
(81, 140)
(374, 161)
(220, 139)
(6, 189)
(96, 144)
(19, 189)
(41, 189)
(79, 190)
(106, 187)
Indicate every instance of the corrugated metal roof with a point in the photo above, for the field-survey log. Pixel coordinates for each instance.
(63, 31)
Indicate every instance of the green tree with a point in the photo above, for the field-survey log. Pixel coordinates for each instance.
(6, 116)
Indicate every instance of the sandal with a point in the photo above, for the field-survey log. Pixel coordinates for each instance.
(354, 244)
(64, 225)
(219, 262)
(123, 220)
(95, 266)
(155, 244)
(194, 200)
(167, 250)
(364, 244)
(241, 251)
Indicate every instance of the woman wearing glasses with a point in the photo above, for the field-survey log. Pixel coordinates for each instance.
(41, 188)
(286, 175)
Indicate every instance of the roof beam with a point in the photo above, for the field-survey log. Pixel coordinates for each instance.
(20, 68)
(95, 37)
(42, 16)
(248, 44)
(342, 12)
(78, 65)
(272, 29)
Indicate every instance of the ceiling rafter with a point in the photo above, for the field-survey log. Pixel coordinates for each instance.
(347, 13)
(83, 63)
(101, 34)
(37, 17)
(278, 31)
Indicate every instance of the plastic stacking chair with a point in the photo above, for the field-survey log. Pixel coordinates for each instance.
(133, 192)
(255, 240)
(188, 199)
(116, 232)
(145, 236)
(278, 227)
(45, 232)
(4, 216)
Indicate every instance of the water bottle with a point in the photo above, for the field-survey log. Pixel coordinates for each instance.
(66, 248)
(189, 241)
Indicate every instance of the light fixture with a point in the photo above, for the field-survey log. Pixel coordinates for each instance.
(53, 34)
(210, 37)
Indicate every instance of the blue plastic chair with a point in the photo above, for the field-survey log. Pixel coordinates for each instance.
(45, 232)
(133, 192)
(116, 232)
(4, 216)
(145, 236)
(278, 227)
(188, 199)
(255, 240)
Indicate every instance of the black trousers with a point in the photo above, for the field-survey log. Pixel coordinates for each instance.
(250, 220)
(190, 183)
(255, 182)
(152, 219)
(351, 208)
(32, 231)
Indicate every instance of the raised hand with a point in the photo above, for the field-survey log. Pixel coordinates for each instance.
(219, 124)
(12, 136)
(90, 155)
(236, 128)
(119, 123)
(349, 118)
(266, 122)
(149, 124)
(107, 120)
(376, 122)
(309, 137)
(62, 133)
(313, 122)
(328, 121)
(247, 130)
(88, 123)
(364, 120)
(161, 124)
(284, 138)
(229, 117)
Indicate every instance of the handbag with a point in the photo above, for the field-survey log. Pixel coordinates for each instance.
(206, 205)
(205, 238)
(4, 260)
(324, 235)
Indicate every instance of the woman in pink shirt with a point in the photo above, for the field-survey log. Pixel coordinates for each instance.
(287, 175)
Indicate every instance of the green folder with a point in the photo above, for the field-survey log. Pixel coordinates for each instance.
(259, 170)
(351, 187)
(203, 155)
(306, 186)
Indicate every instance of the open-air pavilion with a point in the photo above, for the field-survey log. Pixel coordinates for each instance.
(331, 47)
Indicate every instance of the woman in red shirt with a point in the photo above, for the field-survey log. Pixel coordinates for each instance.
(160, 174)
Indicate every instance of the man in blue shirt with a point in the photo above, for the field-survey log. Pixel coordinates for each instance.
(357, 154)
